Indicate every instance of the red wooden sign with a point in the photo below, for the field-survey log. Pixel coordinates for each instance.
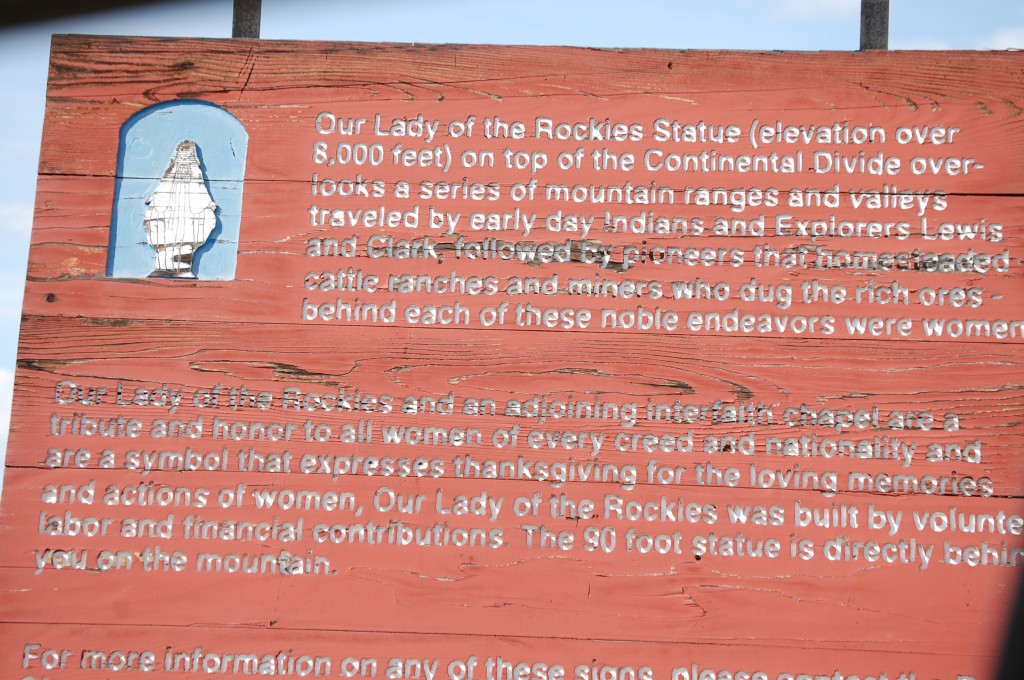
(480, 363)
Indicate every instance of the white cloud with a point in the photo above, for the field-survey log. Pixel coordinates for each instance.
(921, 44)
(16, 218)
(819, 9)
(1003, 39)
(6, 389)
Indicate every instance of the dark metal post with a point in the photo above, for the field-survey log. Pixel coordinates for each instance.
(245, 22)
(874, 24)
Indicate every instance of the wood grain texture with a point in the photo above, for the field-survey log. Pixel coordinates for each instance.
(657, 597)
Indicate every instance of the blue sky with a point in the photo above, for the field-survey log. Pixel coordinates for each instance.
(677, 24)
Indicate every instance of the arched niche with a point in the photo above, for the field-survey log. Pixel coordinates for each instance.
(180, 167)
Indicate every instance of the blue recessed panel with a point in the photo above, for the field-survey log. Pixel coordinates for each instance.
(150, 159)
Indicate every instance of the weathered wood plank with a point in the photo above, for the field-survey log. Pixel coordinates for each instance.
(201, 469)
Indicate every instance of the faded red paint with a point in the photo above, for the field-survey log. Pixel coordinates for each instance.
(89, 342)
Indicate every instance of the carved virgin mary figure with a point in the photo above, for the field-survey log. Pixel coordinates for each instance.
(180, 214)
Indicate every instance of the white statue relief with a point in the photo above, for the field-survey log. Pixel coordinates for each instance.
(180, 214)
